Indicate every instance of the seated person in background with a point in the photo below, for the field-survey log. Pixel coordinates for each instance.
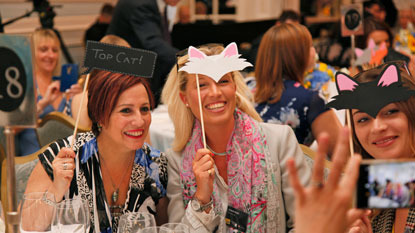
(99, 28)
(49, 96)
(405, 32)
(287, 16)
(380, 32)
(285, 53)
(244, 164)
(119, 106)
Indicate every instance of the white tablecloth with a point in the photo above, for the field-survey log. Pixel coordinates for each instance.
(161, 129)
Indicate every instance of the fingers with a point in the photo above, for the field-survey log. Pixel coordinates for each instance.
(340, 155)
(295, 183)
(353, 215)
(351, 175)
(66, 153)
(318, 168)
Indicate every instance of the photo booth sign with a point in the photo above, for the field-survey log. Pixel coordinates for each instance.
(17, 96)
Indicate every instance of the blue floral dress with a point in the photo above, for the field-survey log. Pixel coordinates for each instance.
(298, 107)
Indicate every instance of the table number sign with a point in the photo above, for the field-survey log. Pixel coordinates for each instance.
(17, 97)
(351, 20)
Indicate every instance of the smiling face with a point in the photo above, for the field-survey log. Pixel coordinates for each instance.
(218, 99)
(46, 55)
(386, 136)
(130, 120)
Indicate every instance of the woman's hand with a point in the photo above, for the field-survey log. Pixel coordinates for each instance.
(327, 207)
(52, 92)
(75, 89)
(362, 225)
(63, 170)
(203, 168)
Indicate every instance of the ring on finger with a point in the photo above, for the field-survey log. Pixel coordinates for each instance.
(209, 172)
(317, 184)
(65, 166)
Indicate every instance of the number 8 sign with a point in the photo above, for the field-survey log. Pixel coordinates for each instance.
(17, 105)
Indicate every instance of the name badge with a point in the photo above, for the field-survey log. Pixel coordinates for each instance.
(236, 219)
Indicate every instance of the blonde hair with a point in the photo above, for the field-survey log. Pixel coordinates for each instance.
(182, 117)
(283, 53)
(45, 33)
(113, 39)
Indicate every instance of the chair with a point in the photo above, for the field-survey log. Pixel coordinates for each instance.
(23, 168)
(310, 155)
(56, 125)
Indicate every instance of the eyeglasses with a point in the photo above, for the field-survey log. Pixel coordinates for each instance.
(183, 52)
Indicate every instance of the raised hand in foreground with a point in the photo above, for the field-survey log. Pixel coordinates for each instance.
(326, 207)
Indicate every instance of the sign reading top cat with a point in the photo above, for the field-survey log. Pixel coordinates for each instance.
(17, 97)
(118, 59)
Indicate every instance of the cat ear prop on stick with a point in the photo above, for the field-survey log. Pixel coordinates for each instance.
(370, 97)
(116, 59)
(215, 67)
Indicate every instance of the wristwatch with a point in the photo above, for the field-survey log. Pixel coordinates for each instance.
(198, 207)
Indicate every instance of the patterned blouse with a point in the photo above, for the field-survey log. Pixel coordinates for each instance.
(298, 108)
(148, 180)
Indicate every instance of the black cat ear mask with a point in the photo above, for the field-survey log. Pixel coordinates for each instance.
(370, 97)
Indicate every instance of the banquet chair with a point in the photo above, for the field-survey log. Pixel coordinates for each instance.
(310, 155)
(56, 125)
(23, 168)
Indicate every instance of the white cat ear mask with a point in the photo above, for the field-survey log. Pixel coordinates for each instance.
(215, 66)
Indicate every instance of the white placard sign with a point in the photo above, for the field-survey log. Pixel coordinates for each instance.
(17, 96)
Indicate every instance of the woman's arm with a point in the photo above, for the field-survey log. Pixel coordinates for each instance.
(329, 123)
(197, 222)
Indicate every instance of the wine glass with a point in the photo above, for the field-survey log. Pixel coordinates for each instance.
(135, 221)
(174, 228)
(72, 215)
(37, 211)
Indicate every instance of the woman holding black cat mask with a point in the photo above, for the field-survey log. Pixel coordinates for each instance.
(383, 129)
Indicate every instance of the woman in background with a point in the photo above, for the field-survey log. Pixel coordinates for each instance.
(49, 97)
(286, 52)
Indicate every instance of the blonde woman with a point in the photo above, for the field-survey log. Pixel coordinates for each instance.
(242, 171)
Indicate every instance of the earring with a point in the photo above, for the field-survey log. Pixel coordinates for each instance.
(187, 105)
(99, 127)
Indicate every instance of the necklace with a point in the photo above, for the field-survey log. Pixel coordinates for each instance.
(114, 196)
(216, 153)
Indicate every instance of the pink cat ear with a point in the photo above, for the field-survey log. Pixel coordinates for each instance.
(358, 52)
(231, 50)
(371, 44)
(389, 76)
(345, 83)
(196, 53)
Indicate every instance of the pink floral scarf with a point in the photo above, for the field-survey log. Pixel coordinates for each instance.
(247, 171)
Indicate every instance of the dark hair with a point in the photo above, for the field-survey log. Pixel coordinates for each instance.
(370, 3)
(370, 24)
(104, 89)
(407, 106)
(289, 14)
(107, 9)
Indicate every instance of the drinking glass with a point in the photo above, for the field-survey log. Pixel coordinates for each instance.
(174, 228)
(150, 230)
(72, 215)
(135, 221)
(37, 211)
